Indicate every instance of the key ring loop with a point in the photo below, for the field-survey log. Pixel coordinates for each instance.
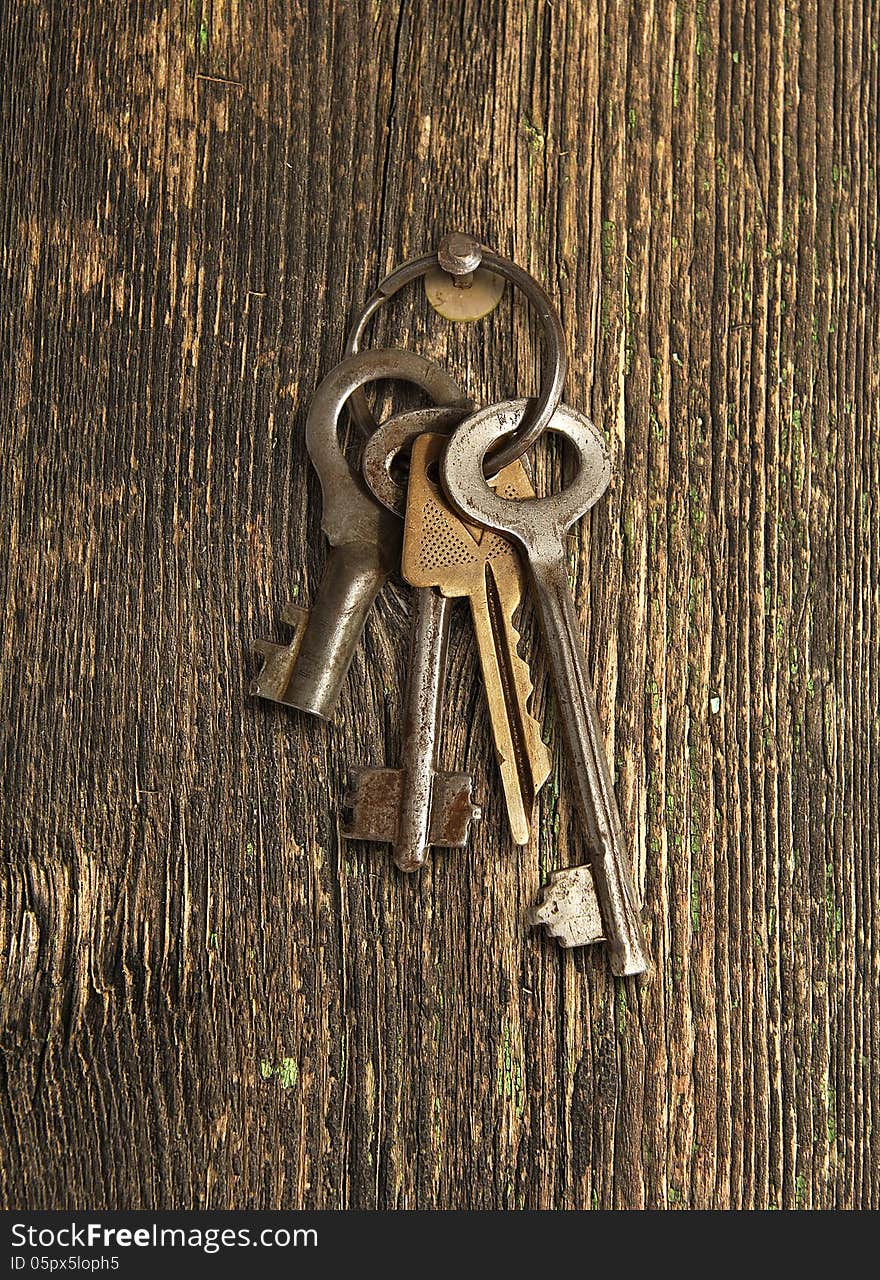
(555, 364)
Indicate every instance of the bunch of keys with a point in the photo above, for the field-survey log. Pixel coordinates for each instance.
(466, 524)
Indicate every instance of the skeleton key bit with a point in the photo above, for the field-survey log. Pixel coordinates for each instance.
(464, 560)
(414, 806)
(539, 526)
(364, 542)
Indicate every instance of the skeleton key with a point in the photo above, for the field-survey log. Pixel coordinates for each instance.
(461, 559)
(364, 542)
(416, 805)
(539, 526)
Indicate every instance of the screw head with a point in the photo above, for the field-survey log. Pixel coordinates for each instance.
(459, 254)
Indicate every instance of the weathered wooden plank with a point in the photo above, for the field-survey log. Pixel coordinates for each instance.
(210, 1000)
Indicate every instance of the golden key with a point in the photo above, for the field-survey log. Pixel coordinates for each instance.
(463, 560)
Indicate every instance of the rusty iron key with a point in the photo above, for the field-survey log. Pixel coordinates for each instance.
(415, 805)
(539, 526)
(464, 560)
(364, 538)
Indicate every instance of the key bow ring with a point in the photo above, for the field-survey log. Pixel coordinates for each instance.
(470, 254)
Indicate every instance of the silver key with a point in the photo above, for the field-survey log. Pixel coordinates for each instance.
(364, 542)
(539, 526)
(415, 805)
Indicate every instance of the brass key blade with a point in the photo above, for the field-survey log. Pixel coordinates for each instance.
(523, 759)
(463, 560)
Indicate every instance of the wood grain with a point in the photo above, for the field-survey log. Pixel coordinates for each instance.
(209, 999)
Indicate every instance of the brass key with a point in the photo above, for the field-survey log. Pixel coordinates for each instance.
(464, 560)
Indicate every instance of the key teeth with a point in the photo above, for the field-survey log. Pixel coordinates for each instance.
(372, 803)
(542, 913)
(527, 766)
(569, 909)
(546, 913)
(294, 615)
(539, 755)
(452, 810)
(279, 660)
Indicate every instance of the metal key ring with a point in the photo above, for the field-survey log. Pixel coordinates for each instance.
(555, 365)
